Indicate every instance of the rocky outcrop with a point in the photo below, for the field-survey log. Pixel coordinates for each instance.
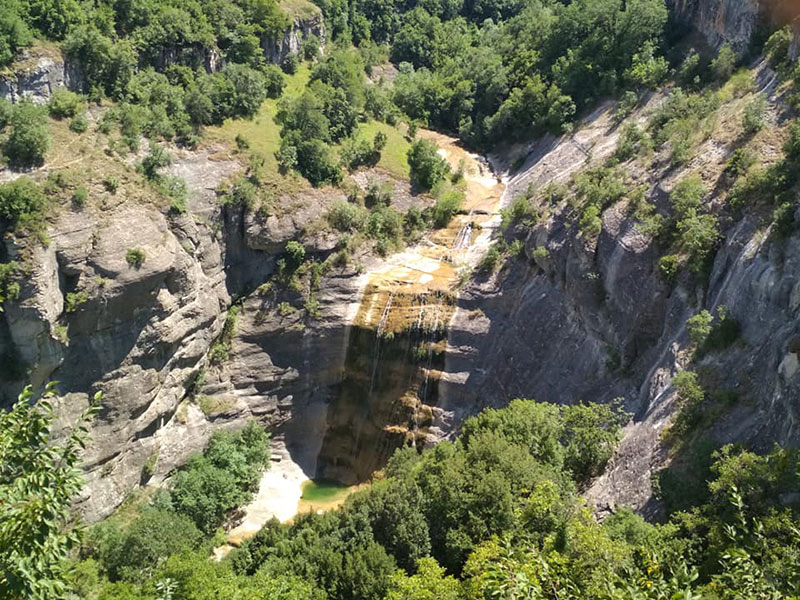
(734, 22)
(37, 73)
(278, 48)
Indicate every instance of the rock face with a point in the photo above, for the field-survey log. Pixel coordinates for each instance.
(278, 48)
(734, 22)
(37, 74)
(592, 320)
(721, 21)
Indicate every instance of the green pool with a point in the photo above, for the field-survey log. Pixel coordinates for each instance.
(324, 491)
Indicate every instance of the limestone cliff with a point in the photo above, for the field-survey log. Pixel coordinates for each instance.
(36, 73)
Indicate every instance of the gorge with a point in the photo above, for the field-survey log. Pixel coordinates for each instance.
(399, 350)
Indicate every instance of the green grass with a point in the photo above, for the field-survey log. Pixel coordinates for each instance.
(323, 491)
(393, 157)
(299, 9)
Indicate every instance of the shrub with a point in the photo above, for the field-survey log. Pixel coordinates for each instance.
(242, 193)
(591, 435)
(427, 167)
(296, 252)
(755, 115)
(310, 47)
(647, 70)
(540, 254)
(723, 334)
(378, 194)
(135, 257)
(668, 267)
(740, 162)
(777, 48)
(79, 124)
(289, 64)
(687, 195)
(699, 327)
(792, 145)
(80, 197)
(356, 152)
(274, 81)
(590, 223)
(9, 289)
(723, 65)
(157, 158)
(347, 217)
(6, 110)
(29, 139)
(447, 205)
(111, 183)
(65, 104)
(520, 211)
(699, 235)
(629, 142)
(21, 202)
(491, 260)
(783, 220)
(133, 553)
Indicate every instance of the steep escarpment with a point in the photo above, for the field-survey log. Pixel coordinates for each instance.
(590, 317)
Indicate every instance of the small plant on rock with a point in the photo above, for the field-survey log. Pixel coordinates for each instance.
(135, 257)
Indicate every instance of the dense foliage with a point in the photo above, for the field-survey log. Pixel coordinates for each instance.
(495, 514)
(38, 480)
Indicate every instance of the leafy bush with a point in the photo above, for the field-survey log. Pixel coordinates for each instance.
(427, 167)
(590, 223)
(347, 217)
(310, 47)
(14, 32)
(65, 104)
(591, 435)
(447, 205)
(274, 81)
(135, 257)
(29, 138)
(155, 160)
(740, 162)
(668, 267)
(79, 124)
(723, 65)
(22, 202)
(699, 327)
(755, 115)
(289, 64)
(687, 195)
(777, 48)
(520, 211)
(80, 197)
(784, 220)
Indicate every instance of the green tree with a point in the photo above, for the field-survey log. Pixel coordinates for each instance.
(39, 478)
(14, 32)
(29, 138)
(429, 583)
(427, 167)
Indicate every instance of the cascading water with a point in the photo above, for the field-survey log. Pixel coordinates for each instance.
(396, 347)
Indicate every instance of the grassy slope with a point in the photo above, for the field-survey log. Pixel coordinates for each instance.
(262, 132)
(393, 157)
